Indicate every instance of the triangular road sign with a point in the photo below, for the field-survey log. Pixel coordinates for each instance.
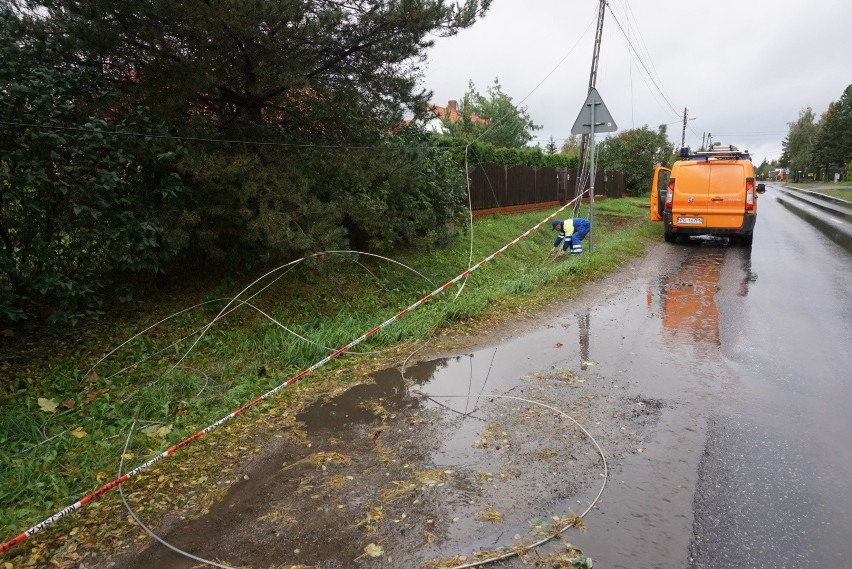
(603, 120)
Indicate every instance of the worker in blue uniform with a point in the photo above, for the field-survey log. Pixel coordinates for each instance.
(571, 231)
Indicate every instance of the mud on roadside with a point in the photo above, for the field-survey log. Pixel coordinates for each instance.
(382, 474)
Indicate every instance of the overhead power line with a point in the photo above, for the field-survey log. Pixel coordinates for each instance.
(668, 102)
(212, 140)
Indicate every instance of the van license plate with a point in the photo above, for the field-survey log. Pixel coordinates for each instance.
(691, 220)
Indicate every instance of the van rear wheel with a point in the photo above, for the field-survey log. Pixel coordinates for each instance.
(669, 236)
(745, 240)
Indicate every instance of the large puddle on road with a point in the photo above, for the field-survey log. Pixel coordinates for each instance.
(663, 345)
(514, 462)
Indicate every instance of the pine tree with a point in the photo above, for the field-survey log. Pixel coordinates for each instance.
(551, 146)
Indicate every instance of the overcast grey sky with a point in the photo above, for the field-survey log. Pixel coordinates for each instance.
(743, 68)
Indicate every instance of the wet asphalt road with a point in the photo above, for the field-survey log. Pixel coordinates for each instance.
(775, 483)
(752, 464)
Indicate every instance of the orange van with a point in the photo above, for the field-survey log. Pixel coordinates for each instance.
(707, 193)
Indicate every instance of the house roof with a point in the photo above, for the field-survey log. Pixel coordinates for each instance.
(451, 113)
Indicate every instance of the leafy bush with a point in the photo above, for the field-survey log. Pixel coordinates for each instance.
(79, 205)
(636, 151)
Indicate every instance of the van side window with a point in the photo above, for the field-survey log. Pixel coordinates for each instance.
(663, 182)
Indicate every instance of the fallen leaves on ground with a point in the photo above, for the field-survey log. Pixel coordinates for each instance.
(47, 405)
(489, 514)
(374, 550)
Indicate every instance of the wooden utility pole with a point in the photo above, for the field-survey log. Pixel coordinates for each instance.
(683, 134)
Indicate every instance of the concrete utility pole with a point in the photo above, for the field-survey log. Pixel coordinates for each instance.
(593, 77)
(584, 139)
(594, 117)
(683, 134)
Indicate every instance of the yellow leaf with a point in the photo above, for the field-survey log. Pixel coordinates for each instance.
(47, 405)
(374, 550)
(78, 433)
(155, 432)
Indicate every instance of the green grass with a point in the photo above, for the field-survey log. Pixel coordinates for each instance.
(53, 457)
(841, 190)
(843, 193)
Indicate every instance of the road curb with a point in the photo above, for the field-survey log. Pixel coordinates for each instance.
(820, 196)
(837, 226)
(834, 206)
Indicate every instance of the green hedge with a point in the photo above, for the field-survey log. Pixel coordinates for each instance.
(486, 153)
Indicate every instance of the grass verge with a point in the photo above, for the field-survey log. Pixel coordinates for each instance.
(67, 409)
(842, 190)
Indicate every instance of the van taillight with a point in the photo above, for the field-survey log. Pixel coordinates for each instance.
(749, 202)
(670, 193)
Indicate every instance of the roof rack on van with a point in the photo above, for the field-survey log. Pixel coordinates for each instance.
(730, 152)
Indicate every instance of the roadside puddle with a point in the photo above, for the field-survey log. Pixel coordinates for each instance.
(448, 457)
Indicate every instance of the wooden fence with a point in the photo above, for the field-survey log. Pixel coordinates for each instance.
(496, 187)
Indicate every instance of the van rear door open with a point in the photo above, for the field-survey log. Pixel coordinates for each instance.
(658, 192)
(708, 192)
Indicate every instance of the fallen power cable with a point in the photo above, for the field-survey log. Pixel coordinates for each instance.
(124, 478)
(512, 552)
(495, 557)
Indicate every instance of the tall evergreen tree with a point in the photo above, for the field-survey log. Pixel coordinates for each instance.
(832, 145)
(551, 147)
(274, 95)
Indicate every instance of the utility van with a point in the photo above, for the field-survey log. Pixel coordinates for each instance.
(707, 193)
